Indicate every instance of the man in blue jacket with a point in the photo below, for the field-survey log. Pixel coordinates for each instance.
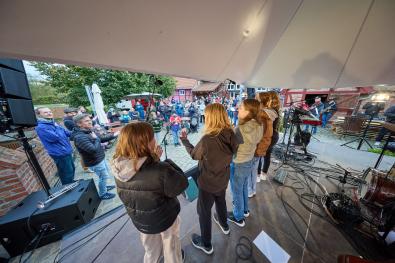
(56, 141)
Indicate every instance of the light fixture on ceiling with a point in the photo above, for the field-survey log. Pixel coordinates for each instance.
(246, 32)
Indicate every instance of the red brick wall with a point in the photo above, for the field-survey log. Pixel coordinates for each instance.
(17, 179)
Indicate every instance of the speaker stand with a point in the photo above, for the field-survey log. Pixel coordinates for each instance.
(33, 161)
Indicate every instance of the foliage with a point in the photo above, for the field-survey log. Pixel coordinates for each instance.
(43, 93)
(114, 84)
(377, 150)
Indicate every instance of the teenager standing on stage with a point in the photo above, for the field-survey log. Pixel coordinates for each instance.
(270, 106)
(214, 152)
(251, 130)
(149, 188)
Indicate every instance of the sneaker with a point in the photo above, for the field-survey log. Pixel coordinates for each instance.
(250, 195)
(110, 187)
(225, 229)
(198, 243)
(107, 196)
(247, 213)
(263, 176)
(377, 143)
(89, 171)
(231, 218)
(258, 179)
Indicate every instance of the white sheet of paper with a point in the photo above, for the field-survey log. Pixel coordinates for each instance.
(273, 251)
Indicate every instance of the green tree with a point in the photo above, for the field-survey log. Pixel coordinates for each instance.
(114, 84)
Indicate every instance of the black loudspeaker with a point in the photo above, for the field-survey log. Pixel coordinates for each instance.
(14, 64)
(16, 106)
(14, 84)
(69, 211)
(21, 113)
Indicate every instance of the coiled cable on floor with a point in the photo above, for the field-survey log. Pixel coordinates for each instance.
(244, 250)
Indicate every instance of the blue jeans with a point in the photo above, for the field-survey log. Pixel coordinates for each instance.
(175, 137)
(235, 119)
(66, 168)
(101, 169)
(239, 186)
(253, 175)
(325, 118)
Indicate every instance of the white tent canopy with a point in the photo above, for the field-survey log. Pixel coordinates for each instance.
(269, 43)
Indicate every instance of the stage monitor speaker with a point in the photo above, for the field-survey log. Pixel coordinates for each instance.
(13, 84)
(21, 112)
(14, 64)
(69, 211)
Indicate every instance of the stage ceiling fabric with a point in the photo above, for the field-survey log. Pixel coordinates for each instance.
(261, 43)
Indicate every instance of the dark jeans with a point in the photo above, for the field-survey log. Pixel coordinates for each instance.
(66, 168)
(204, 204)
(266, 158)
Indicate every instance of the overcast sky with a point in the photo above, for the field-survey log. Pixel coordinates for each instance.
(31, 71)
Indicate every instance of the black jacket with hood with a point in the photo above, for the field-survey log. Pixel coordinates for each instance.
(150, 193)
(214, 154)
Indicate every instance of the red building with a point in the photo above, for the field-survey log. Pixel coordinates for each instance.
(184, 88)
(347, 99)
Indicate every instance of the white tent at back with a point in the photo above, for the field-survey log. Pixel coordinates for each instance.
(261, 43)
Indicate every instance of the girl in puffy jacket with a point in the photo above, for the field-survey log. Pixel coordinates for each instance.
(149, 188)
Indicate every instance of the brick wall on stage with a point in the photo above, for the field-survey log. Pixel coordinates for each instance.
(17, 179)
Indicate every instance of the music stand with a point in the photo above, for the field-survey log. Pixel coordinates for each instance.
(391, 128)
(362, 138)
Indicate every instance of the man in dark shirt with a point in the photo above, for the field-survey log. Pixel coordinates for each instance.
(68, 118)
(92, 153)
(329, 109)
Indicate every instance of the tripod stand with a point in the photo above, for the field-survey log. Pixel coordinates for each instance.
(31, 157)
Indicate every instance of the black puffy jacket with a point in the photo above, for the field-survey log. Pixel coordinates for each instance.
(90, 148)
(150, 194)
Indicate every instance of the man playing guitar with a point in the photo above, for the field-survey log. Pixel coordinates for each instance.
(315, 110)
(328, 111)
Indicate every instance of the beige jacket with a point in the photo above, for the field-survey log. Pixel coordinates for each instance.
(252, 133)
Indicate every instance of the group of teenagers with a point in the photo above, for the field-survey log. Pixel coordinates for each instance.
(149, 187)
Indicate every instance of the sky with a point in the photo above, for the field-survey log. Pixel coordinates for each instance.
(31, 71)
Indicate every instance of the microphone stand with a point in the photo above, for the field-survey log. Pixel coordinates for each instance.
(164, 141)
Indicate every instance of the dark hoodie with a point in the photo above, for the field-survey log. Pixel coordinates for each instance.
(214, 154)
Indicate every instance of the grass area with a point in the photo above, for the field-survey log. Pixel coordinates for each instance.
(377, 150)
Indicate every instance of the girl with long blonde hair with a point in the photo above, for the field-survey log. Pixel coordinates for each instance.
(149, 188)
(251, 130)
(214, 152)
